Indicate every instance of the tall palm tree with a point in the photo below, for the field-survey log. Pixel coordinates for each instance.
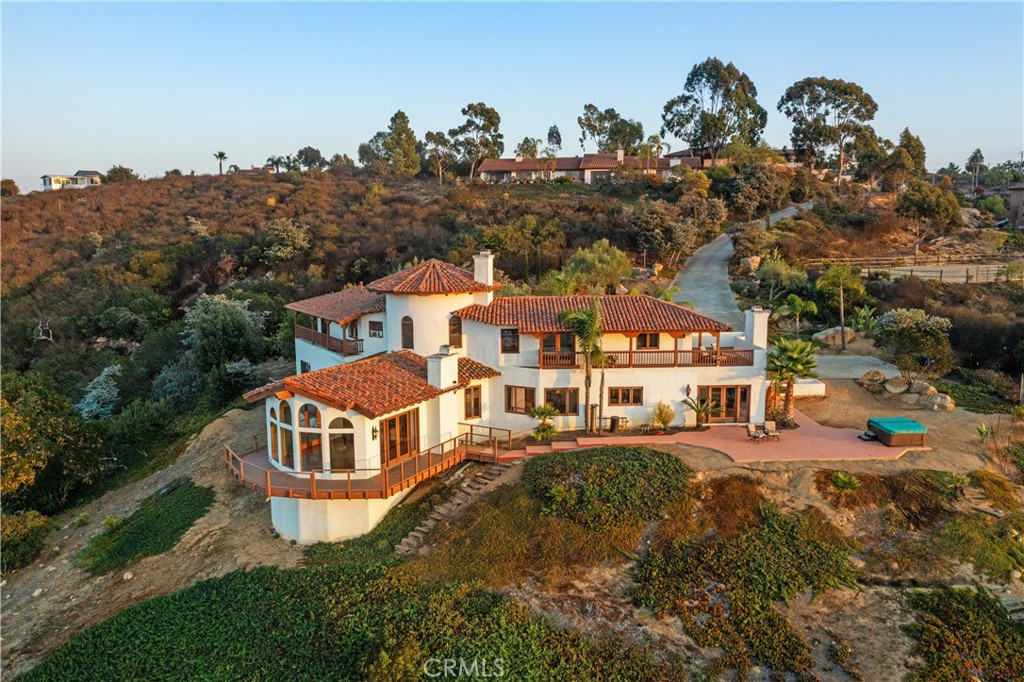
(841, 279)
(221, 158)
(585, 326)
(275, 162)
(795, 307)
(789, 360)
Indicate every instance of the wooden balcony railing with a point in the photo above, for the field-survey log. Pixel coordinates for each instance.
(725, 357)
(342, 346)
(250, 465)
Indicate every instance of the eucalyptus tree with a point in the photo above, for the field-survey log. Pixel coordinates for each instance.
(718, 105)
(440, 152)
(609, 130)
(479, 137)
(826, 113)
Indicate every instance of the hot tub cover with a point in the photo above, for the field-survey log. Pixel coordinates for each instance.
(896, 425)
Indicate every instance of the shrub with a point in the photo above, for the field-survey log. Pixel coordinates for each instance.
(988, 543)
(602, 487)
(155, 527)
(964, 635)
(664, 415)
(82, 519)
(23, 534)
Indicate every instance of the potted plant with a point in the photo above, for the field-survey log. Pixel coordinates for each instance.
(703, 409)
(545, 414)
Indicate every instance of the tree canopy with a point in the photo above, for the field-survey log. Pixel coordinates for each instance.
(718, 106)
(479, 137)
(400, 147)
(609, 130)
(917, 343)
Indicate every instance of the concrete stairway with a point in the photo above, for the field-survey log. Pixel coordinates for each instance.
(474, 486)
(1010, 601)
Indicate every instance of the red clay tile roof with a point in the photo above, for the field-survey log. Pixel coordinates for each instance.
(430, 277)
(376, 385)
(341, 306)
(264, 391)
(619, 314)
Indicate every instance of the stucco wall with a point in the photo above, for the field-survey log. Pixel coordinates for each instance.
(310, 521)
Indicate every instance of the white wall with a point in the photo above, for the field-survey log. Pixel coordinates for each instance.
(430, 316)
(310, 521)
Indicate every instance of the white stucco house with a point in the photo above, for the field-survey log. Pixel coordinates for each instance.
(80, 180)
(423, 369)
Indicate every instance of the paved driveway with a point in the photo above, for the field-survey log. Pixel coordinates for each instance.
(704, 280)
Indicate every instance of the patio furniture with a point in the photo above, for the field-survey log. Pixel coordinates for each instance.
(752, 432)
(770, 431)
(897, 431)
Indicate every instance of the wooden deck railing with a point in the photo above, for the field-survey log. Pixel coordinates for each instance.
(726, 357)
(343, 346)
(250, 465)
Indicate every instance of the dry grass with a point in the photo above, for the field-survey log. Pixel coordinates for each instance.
(921, 497)
(999, 491)
(730, 505)
(508, 538)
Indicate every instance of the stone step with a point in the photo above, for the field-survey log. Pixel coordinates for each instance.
(564, 445)
(436, 516)
(512, 456)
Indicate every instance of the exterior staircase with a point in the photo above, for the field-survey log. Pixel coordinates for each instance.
(1009, 601)
(474, 486)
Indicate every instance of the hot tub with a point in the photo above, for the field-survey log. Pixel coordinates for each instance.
(897, 431)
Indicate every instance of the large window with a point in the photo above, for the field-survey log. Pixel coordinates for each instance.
(274, 452)
(401, 436)
(648, 340)
(565, 400)
(625, 396)
(509, 340)
(343, 446)
(407, 335)
(376, 330)
(473, 405)
(562, 342)
(309, 417)
(455, 332)
(311, 456)
(519, 399)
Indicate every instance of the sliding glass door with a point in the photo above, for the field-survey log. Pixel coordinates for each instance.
(733, 403)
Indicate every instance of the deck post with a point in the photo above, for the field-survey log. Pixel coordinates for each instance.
(630, 352)
(241, 469)
(267, 472)
(312, 485)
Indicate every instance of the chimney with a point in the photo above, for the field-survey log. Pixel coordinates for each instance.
(483, 268)
(519, 157)
(443, 368)
(620, 154)
(755, 327)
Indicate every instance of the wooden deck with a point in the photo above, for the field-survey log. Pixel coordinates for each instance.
(252, 468)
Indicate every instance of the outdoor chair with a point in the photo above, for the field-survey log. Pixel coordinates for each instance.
(752, 432)
(770, 431)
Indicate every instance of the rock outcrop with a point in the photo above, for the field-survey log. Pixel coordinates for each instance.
(833, 336)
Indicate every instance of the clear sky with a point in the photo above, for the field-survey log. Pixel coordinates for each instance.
(160, 86)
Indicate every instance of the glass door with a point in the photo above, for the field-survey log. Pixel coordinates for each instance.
(733, 403)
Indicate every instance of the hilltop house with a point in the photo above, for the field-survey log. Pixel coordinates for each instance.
(80, 180)
(589, 168)
(425, 368)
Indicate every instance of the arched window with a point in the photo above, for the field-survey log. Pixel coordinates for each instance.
(455, 332)
(407, 335)
(273, 413)
(286, 413)
(309, 417)
(342, 443)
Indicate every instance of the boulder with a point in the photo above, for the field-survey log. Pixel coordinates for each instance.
(872, 378)
(833, 336)
(750, 263)
(922, 388)
(897, 385)
(909, 399)
(940, 402)
(128, 575)
(972, 217)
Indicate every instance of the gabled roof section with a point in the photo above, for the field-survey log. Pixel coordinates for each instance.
(619, 314)
(87, 173)
(430, 277)
(375, 386)
(341, 306)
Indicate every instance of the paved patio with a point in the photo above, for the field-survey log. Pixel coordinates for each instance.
(811, 442)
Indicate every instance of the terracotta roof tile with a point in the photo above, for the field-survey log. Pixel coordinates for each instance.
(620, 314)
(376, 385)
(341, 306)
(430, 277)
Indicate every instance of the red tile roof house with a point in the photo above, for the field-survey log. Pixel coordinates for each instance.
(589, 168)
(423, 369)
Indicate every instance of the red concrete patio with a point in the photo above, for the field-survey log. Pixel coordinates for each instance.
(812, 441)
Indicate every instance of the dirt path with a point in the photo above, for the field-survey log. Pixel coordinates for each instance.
(234, 534)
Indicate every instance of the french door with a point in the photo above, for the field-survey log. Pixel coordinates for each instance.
(400, 436)
(733, 403)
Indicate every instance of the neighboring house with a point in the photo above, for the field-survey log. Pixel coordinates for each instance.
(80, 180)
(1017, 204)
(423, 369)
(589, 168)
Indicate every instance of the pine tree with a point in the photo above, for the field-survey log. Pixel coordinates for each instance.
(400, 146)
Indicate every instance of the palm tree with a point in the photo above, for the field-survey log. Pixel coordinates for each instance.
(585, 326)
(221, 158)
(841, 279)
(795, 307)
(844, 484)
(275, 162)
(789, 360)
(658, 144)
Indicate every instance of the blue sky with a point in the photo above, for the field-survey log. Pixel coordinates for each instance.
(160, 86)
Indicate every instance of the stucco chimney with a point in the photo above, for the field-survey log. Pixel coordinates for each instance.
(755, 327)
(620, 154)
(519, 157)
(443, 368)
(483, 268)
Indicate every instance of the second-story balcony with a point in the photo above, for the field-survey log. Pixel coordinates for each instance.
(723, 357)
(341, 346)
